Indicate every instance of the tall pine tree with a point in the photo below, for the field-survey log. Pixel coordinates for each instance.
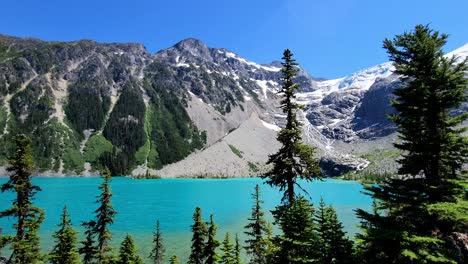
(237, 250)
(25, 243)
(88, 248)
(157, 253)
(65, 250)
(294, 160)
(256, 230)
(212, 244)
(199, 232)
(402, 229)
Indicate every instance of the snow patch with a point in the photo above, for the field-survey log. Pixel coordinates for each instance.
(270, 126)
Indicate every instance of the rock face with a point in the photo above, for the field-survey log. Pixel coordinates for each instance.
(179, 112)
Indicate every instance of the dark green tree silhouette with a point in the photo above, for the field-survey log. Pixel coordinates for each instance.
(157, 253)
(128, 252)
(335, 247)
(294, 160)
(256, 231)
(89, 249)
(25, 243)
(237, 250)
(402, 228)
(199, 232)
(299, 241)
(212, 244)
(65, 250)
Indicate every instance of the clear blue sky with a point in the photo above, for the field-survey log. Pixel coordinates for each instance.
(330, 38)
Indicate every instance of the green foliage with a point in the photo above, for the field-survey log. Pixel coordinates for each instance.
(335, 247)
(295, 159)
(97, 145)
(86, 108)
(25, 244)
(89, 249)
(256, 231)
(65, 250)
(298, 242)
(228, 251)
(157, 252)
(236, 151)
(171, 132)
(174, 260)
(237, 250)
(124, 129)
(406, 225)
(199, 232)
(212, 244)
(128, 252)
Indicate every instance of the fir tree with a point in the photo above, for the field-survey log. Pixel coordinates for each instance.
(237, 250)
(157, 253)
(256, 229)
(104, 218)
(335, 247)
(128, 252)
(212, 244)
(227, 249)
(298, 243)
(174, 260)
(65, 250)
(89, 249)
(198, 239)
(25, 243)
(401, 229)
(294, 160)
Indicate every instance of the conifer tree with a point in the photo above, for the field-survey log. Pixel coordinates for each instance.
(105, 215)
(212, 244)
(25, 243)
(335, 247)
(128, 252)
(298, 243)
(402, 229)
(227, 249)
(65, 250)
(199, 232)
(174, 260)
(294, 160)
(256, 229)
(237, 250)
(157, 253)
(89, 249)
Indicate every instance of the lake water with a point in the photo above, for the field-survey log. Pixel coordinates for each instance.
(141, 202)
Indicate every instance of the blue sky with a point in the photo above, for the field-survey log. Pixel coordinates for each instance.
(329, 38)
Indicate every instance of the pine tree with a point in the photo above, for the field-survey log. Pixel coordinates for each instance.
(237, 251)
(198, 239)
(227, 249)
(157, 253)
(105, 215)
(298, 243)
(65, 250)
(295, 159)
(174, 260)
(335, 247)
(402, 229)
(25, 244)
(256, 229)
(128, 252)
(89, 249)
(212, 244)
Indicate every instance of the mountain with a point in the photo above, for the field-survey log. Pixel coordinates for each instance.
(189, 110)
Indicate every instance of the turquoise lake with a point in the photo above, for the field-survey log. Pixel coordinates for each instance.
(141, 202)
